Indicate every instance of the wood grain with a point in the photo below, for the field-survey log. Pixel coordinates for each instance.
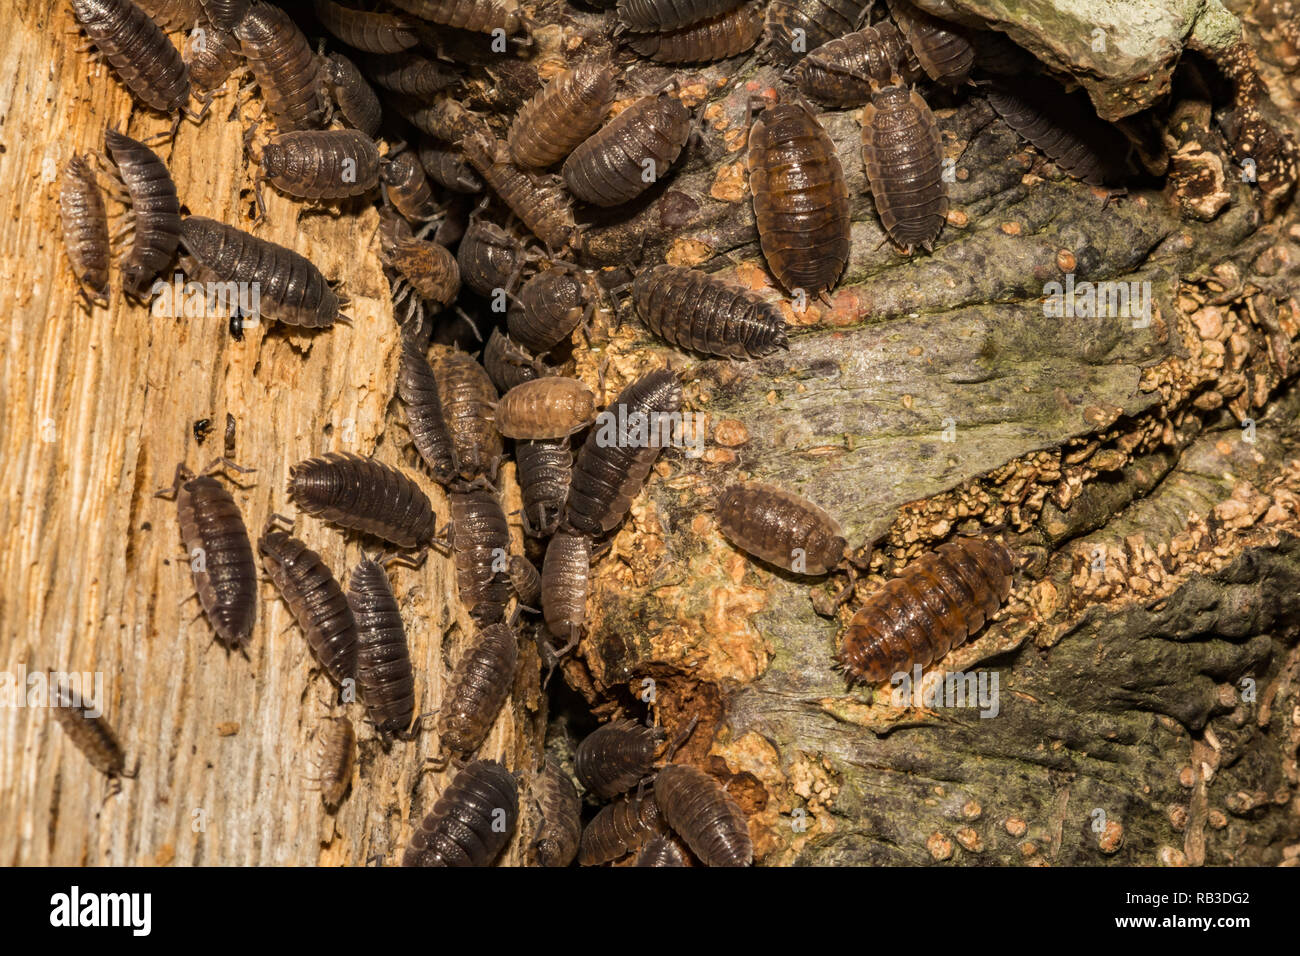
(96, 409)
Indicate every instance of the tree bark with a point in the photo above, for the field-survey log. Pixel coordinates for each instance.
(1146, 476)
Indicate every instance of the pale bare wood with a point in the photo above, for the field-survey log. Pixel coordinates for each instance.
(96, 409)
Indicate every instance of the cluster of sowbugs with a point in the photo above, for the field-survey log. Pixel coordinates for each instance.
(558, 158)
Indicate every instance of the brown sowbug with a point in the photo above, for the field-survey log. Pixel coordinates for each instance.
(212, 55)
(418, 389)
(655, 16)
(903, 156)
(702, 814)
(479, 16)
(793, 27)
(478, 688)
(562, 115)
(801, 199)
(549, 407)
(616, 756)
(468, 397)
(438, 116)
(85, 230)
(316, 600)
(620, 828)
(781, 528)
(148, 64)
(944, 51)
(471, 822)
(566, 573)
(335, 756)
(225, 14)
(363, 495)
(407, 188)
(366, 31)
(544, 469)
(539, 203)
(155, 212)
(489, 257)
(284, 66)
(1066, 129)
(220, 552)
(717, 38)
(844, 71)
(507, 364)
(426, 268)
(320, 164)
(480, 545)
(354, 97)
(449, 169)
(409, 74)
(936, 604)
(290, 288)
(525, 580)
(556, 843)
(631, 152)
(550, 305)
(662, 850)
(697, 311)
(384, 672)
(172, 14)
(92, 735)
(611, 469)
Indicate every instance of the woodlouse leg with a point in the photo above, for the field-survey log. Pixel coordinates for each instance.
(257, 194)
(470, 322)
(219, 464)
(405, 560)
(442, 543)
(182, 474)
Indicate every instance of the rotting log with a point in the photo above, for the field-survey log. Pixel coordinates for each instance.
(932, 395)
(1145, 472)
(96, 409)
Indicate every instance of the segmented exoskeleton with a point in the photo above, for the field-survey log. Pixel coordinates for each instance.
(801, 199)
(148, 64)
(616, 459)
(364, 495)
(479, 687)
(632, 152)
(284, 66)
(704, 815)
(316, 600)
(697, 311)
(614, 758)
(936, 604)
(290, 289)
(562, 115)
(372, 32)
(903, 156)
(155, 212)
(219, 551)
(384, 671)
(85, 230)
(471, 822)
